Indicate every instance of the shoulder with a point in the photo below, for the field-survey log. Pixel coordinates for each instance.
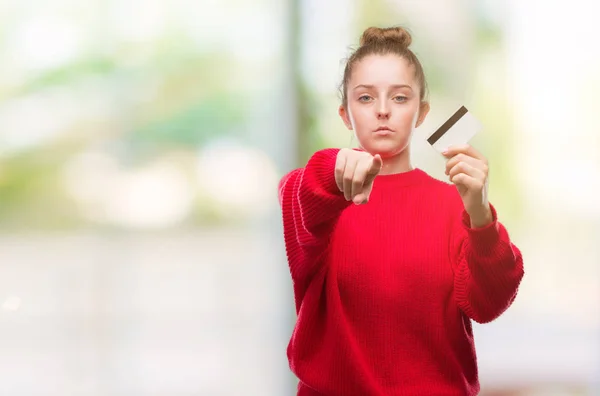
(445, 192)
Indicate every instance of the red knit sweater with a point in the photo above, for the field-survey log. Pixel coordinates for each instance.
(385, 292)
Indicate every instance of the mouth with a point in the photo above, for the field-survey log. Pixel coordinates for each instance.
(384, 129)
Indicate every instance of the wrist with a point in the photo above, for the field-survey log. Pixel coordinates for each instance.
(481, 217)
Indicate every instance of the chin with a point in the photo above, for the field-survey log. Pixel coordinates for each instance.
(385, 149)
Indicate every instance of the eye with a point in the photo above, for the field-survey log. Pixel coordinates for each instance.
(364, 98)
(400, 98)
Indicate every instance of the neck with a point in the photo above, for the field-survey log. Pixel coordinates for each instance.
(398, 163)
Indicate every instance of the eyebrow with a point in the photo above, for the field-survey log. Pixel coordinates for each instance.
(395, 86)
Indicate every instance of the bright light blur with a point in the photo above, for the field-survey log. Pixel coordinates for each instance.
(141, 143)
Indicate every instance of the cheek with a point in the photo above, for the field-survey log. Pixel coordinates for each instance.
(358, 117)
(414, 118)
(410, 116)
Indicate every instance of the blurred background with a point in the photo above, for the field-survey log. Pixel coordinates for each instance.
(141, 143)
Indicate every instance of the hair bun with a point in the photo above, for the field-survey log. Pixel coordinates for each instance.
(396, 35)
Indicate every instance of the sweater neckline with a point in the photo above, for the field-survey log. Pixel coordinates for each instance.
(413, 176)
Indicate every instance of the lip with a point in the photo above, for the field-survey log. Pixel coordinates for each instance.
(384, 129)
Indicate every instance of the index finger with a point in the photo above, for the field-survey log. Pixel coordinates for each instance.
(376, 165)
(466, 149)
(374, 169)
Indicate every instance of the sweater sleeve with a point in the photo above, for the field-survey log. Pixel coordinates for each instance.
(488, 269)
(311, 204)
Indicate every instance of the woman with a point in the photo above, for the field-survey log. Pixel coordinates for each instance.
(390, 265)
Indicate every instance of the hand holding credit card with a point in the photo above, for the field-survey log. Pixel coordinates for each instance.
(465, 166)
(457, 130)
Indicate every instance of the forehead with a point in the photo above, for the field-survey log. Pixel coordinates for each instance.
(382, 70)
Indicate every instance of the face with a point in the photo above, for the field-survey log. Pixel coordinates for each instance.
(384, 105)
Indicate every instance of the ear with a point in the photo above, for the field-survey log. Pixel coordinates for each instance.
(345, 116)
(423, 111)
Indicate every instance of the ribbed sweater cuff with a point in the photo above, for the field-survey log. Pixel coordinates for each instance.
(323, 162)
(483, 239)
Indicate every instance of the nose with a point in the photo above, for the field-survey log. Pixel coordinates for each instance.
(383, 111)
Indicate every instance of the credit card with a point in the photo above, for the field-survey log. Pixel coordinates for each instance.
(457, 130)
